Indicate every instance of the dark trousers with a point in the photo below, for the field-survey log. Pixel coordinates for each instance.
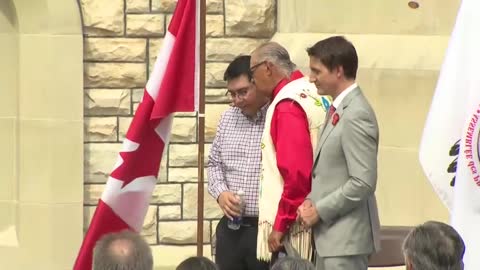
(236, 249)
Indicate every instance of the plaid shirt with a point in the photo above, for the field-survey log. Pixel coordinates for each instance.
(235, 157)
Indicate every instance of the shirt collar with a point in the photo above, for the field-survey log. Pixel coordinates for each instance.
(343, 94)
(260, 113)
(297, 74)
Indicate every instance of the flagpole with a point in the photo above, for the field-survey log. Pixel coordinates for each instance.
(201, 131)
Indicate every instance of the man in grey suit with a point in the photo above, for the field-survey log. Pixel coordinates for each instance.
(341, 208)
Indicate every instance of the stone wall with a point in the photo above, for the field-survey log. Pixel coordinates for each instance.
(121, 39)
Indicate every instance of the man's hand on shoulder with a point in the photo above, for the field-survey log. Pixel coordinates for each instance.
(229, 203)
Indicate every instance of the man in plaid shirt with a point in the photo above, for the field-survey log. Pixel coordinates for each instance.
(234, 164)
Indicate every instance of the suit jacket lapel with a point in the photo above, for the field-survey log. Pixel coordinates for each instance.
(328, 126)
(317, 148)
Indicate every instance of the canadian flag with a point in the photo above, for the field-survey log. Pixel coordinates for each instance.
(450, 147)
(173, 86)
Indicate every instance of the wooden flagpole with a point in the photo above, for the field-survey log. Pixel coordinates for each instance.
(201, 130)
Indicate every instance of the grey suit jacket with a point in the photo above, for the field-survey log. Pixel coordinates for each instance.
(344, 181)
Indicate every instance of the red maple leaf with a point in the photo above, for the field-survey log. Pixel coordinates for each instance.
(145, 160)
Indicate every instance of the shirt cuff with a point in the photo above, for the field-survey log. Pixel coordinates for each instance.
(282, 224)
(218, 189)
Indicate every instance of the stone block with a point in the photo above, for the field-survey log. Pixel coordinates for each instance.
(184, 129)
(216, 95)
(100, 129)
(215, 26)
(167, 194)
(181, 232)
(169, 212)
(211, 208)
(137, 95)
(123, 125)
(100, 102)
(149, 229)
(114, 75)
(145, 25)
(154, 47)
(251, 18)
(214, 6)
(102, 17)
(212, 118)
(164, 6)
(99, 161)
(115, 49)
(214, 74)
(183, 155)
(168, 6)
(137, 6)
(92, 193)
(226, 49)
(185, 175)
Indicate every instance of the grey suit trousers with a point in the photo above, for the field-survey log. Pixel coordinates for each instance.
(357, 262)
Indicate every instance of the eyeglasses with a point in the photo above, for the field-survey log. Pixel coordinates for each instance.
(254, 67)
(241, 93)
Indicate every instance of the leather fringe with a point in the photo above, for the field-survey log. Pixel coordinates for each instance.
(299, 239)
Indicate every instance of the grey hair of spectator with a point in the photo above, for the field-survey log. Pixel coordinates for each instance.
(197, 263)
(292, 263)
(277, 55)
(125, 250)
(434, 246)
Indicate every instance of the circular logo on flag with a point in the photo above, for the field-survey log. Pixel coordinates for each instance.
(471, 147)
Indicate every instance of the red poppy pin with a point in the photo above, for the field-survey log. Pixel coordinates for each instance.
(335, 119)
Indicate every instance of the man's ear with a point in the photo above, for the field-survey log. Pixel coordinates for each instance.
(269, 67)
(339, 71)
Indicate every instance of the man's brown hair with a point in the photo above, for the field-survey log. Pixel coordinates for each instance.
(334, 52)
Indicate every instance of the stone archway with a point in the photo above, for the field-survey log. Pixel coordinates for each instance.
(41, 129)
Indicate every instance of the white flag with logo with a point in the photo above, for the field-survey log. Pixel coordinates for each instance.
(450, 147)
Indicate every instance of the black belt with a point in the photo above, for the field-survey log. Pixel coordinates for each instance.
(247, 221)
(250, 221)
